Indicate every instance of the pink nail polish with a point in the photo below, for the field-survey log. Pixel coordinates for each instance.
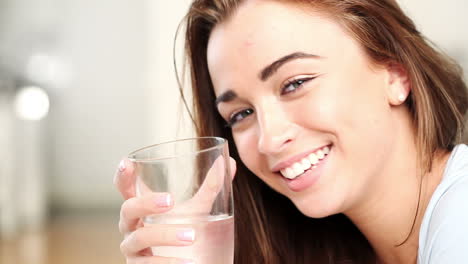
(186, 235)
(122, 166)
(163, 200)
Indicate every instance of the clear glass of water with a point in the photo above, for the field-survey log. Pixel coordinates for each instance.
(196, 173)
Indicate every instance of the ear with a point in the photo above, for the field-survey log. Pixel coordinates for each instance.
(398, 84)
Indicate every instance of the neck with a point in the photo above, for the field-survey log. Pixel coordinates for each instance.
(390, 216)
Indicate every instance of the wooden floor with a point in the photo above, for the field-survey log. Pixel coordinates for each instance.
(68, 239)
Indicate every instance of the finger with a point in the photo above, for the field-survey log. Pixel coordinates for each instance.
(233, 167)
(124, 179)
(137, 207)
(156, 235)
(211, 186)
(214, 181)
(158, 260)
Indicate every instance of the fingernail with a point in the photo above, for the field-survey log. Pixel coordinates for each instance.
(186, 235)
(187, 262)
(163, 200)
(122, 166)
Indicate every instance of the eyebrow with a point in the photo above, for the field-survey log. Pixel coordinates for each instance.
(273, 67)
(268, 71)
(226, 97)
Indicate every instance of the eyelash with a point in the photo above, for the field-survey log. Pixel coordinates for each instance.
(298, 81)
(231, 122)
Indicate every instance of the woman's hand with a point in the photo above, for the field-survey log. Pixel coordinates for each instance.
(138, 238)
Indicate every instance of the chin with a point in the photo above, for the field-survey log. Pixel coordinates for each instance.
(316, 208)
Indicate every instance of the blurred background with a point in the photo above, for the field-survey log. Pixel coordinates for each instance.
(82, 83)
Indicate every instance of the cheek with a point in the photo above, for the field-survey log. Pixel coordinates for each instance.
(347, 108)
(352, 94)
(320, 109)
(247, 147)
(246, 144)
(359, 118)
(349, 100)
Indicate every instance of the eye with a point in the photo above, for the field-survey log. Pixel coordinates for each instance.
(294, 84)
(239, 116)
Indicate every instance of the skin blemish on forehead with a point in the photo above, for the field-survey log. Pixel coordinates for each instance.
(248, 43)
(249, 40)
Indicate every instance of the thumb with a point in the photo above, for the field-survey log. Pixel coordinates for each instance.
(212, 185)
(124, 179)
(233, 166)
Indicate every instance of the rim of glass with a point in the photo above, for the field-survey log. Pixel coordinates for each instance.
(222, 143)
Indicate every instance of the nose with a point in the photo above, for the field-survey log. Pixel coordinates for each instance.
(276, 130)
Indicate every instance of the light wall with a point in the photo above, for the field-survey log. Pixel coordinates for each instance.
(168, 119)
(101, 114)
(123, 96)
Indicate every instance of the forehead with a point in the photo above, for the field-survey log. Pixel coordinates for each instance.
(260, 32)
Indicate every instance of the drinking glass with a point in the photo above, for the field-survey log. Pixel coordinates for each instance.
(196, 173)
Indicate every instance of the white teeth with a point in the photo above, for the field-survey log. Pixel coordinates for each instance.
(291, 173)
(295, 170)
(288, 173)
(305, 164)
(297, 167)
(320, 154)
(313, 159)
(310, 161)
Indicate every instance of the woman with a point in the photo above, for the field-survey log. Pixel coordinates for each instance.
(345, 124)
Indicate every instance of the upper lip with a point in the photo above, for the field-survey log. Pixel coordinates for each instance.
(296, 158)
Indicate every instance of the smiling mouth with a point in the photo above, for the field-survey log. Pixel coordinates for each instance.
(309, 162)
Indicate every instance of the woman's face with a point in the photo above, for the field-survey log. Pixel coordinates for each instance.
(295, 86)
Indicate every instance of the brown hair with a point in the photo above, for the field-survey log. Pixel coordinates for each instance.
(269, 229)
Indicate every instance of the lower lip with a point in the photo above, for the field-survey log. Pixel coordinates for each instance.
(308, 178)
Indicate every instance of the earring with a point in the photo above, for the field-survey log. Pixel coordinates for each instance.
(402, 97)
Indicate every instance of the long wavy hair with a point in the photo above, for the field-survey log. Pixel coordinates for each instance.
(269, 229)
